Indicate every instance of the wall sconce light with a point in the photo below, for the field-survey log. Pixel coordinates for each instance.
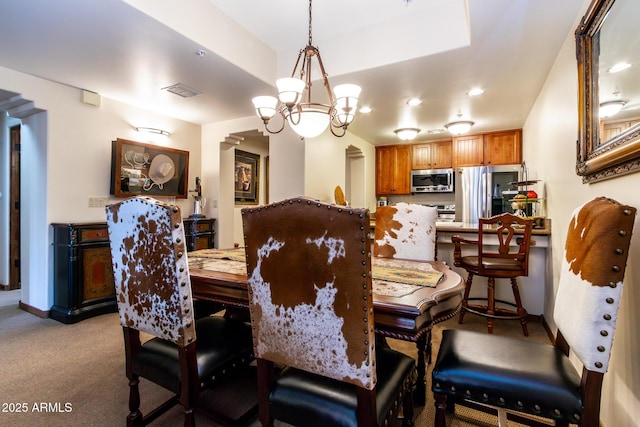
(611, 108)
(153, 130)
(407, 134)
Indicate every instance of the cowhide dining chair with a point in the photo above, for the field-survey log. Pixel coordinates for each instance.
(406, 231)
(523, 377)
(153, 292)
(311, 307)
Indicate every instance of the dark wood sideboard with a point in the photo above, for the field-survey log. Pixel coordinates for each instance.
(82, 272)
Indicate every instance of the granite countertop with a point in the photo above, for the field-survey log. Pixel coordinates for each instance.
(459, 227)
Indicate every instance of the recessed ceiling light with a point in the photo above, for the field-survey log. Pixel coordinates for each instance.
(475, 92)
(365, 110)
(619, 67)
(412, 102)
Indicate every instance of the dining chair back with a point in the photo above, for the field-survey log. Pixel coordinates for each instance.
(406, 231)
(522, 377)
(311, 307)
(153, 295)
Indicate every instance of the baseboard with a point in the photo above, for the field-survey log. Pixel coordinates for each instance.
(5, 288)
(43, 314)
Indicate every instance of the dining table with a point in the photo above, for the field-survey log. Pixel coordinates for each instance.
(409, 297)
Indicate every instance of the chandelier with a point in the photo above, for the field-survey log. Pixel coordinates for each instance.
(307, 118)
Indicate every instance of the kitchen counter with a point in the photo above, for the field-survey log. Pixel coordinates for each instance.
(532, 288)
(473, 228)
(459, 227)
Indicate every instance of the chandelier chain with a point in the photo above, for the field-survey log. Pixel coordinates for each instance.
(310, 39)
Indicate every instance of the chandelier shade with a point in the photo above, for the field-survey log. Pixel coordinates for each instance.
(294, 103)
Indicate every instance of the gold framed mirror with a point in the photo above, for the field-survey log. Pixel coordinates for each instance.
(608, 146)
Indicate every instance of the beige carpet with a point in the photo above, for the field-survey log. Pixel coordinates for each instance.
(73, 375)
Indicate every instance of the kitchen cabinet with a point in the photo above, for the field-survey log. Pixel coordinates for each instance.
(431, 155)
(490, 149)
(393, 169)
(83, 284)
(468, 150)
(199, 233)
(611, 128)
(503, 148)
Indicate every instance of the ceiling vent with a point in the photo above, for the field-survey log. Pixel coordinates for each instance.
(182, 90)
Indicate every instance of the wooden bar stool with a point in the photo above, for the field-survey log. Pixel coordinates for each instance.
(505, 263)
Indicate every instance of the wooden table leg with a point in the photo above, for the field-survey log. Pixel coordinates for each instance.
(420, 393)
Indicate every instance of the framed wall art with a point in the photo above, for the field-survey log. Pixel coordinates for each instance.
(145, 169)
(247, 171)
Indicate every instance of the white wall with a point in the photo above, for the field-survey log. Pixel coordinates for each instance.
(286, 154)
(550, 135)
(66, 158)
(326, 165)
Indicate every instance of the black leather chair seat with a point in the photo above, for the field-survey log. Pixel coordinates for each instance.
(305, 399)
(527, 374)
(492, 263)
(219, 342)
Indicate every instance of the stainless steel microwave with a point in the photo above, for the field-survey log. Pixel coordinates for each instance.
(432, 181)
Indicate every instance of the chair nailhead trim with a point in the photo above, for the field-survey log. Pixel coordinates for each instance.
(604, 333)
(536, 408)
(609, 301)
(520, 404)
(501, 400)
(623, 233)
(600, 348)
(598, 364)
(556, 411)
(607, 317)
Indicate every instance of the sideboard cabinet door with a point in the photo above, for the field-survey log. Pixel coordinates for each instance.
(82, 272)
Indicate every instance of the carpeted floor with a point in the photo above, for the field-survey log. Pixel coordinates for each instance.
(73, 375)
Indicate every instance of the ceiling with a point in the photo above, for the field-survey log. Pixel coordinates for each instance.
(436, 50)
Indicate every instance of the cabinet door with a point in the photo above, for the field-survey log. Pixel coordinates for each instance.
(503, 148)
(402, 178)
(441, 154)
(385, 173)
(421, 156)
(431, 155)
(611, 128)
(393, 169)
(468, 150)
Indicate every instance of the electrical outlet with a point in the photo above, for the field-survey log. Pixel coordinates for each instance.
(98, 202)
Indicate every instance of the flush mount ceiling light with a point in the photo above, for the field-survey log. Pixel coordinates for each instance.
(611, 108)
(619, 67)
(153, 130)
(475, 92)
(308, 118)
(412, 102)
(407, 134)
(459, 127)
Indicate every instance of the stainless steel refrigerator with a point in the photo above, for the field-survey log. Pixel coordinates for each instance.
(479, 191)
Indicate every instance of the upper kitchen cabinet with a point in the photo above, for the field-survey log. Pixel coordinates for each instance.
(468, 150)
(432, 155)
(490, 149)
(612, 128)
(393, 169)
(503, 148)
